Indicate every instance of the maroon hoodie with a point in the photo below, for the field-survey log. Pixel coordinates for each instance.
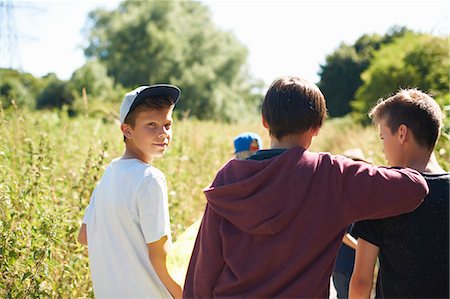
(272, 228)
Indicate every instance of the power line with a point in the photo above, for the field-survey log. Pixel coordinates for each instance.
(9, 52)
(9, 36)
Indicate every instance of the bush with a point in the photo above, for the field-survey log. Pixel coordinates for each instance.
(55, 94)
(414, 60)
(18, 88)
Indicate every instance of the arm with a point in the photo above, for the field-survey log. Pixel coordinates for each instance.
(362, 277)
(378, 192)
(157, 253)
(82, 234)
(82, 238)
(349, 241)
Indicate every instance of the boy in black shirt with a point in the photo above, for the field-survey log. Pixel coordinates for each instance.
(413, 248)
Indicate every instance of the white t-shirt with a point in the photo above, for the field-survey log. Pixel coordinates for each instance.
(127, 210)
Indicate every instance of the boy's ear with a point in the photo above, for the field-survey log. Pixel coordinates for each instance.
(402, 133)
(126, 130)
(264, 122)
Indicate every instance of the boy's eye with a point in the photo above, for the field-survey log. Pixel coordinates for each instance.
(152, 124)
(167, 126)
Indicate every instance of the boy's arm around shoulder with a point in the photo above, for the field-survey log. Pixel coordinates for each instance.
(369, 192)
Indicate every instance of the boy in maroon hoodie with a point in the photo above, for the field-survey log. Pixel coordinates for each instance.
(274, 222)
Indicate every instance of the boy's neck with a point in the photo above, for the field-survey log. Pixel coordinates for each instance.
(133, 153)
(422, 160)
(290, 141)
(433, 165)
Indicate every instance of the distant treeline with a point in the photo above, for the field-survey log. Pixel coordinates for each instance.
(145, 42)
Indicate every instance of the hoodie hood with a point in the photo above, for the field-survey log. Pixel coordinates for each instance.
(258, 196)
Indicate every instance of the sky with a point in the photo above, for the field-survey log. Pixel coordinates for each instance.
(282, 37)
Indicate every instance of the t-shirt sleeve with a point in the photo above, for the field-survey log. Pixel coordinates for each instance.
(88, 212)
(153, 209)
(369, 230)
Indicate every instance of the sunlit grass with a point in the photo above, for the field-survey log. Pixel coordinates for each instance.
(50, 163)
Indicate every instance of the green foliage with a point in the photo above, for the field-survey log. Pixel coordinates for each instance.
(51, 163)
(414, 60)
(93, 77)
(18, 88)
(443, 144)
(340, 76)
(339, 79)
(38, 220)
(94, 92)
(146, 42)
(55, 94)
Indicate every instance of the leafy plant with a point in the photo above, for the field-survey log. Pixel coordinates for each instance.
(50, 164)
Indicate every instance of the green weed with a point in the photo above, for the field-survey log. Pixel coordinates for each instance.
(50, 163)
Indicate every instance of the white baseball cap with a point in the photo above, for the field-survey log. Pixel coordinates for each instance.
(134, 97)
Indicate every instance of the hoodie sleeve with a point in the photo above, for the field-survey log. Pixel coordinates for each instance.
(369, 192)
(207, 259)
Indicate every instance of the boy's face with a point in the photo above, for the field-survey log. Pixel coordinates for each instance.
(152, 132)
(391, 145)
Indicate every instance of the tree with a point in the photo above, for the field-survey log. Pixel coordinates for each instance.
(340, 76)
(147, 42)
(55, 94)
(20, 88)
(414, 60)
(339, 79)
(93, 77)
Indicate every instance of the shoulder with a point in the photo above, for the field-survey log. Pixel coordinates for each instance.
(439, 187)
(151, 185)
(153, 178)
(136, 168)
(136, 172)
(438, 183)
(325, 157)
(440, 178)
(325, 160)
(154, 172)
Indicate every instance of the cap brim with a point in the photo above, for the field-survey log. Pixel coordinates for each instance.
(157, 90)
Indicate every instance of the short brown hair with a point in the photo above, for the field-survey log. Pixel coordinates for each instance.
(416, 110)
(156, 103)
(293, 105)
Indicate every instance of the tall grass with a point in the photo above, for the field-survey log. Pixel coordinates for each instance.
(49, 165)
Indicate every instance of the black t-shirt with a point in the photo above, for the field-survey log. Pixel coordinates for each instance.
(414, 247)
(266, 154)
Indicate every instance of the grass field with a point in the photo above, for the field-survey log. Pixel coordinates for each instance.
(50, 164)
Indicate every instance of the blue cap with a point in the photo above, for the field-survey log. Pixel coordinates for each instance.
(247, 141)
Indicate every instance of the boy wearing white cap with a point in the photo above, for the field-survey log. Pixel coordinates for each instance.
(127, 222)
